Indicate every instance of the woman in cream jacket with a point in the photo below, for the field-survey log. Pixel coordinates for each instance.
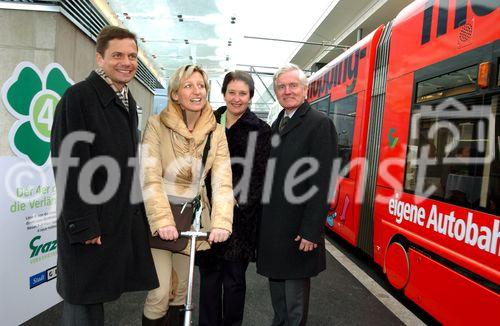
(172, 149)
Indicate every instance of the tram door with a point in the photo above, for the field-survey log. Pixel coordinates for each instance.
(341, 215)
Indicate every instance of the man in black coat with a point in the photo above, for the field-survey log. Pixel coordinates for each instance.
(291, 240)
(103, 248)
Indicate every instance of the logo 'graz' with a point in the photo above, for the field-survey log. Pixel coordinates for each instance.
(37, 247)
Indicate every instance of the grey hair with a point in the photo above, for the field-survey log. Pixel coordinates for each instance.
(290, 67)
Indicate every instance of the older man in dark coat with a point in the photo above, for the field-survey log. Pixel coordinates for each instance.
(103, 248)
(291, 241)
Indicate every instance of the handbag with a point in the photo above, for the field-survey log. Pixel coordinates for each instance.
(183, 215)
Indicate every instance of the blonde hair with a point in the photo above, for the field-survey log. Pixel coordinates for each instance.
(185, 72)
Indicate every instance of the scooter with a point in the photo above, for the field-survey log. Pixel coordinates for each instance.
(193, 234)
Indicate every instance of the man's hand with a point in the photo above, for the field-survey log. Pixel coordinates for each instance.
(168, 233)
(94, 241)
(306, 245)
(218, 235)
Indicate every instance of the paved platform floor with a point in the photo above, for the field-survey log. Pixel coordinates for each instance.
(339, 296)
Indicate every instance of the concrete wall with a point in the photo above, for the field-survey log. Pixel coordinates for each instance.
(43, 38)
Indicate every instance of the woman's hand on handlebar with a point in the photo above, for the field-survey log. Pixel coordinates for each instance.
(218, 235)
(168, 233)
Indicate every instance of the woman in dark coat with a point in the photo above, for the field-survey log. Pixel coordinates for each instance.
(223, 267)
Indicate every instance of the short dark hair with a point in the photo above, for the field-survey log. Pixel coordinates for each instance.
(109, 33)
(238, 75)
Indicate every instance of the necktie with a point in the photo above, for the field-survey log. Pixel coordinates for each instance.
(283, 122)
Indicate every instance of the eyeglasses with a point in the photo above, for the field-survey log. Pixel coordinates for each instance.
(291, 86)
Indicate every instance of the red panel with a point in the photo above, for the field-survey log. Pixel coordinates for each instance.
(341, 214)
(471, 239)
(344, 214)
(409, 52)
(346, 207)
(444, 229)
(349, 73)
(394, 135)
(448, 296)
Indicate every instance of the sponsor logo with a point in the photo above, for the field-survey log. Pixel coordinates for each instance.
(31, 96)
(472, 231)
(392, 139)
(344, 72)
(43, 277)
(51, 273)
(38, 247)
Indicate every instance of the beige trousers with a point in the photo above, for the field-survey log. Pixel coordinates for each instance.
(172, 270)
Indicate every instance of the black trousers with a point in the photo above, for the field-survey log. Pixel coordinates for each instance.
(82, 315)
(290, 299)
(222, 293)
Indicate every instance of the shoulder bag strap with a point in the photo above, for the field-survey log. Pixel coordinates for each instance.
(205, 150)
(197, 199)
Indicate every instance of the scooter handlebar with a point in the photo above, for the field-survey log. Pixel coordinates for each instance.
(188, 234)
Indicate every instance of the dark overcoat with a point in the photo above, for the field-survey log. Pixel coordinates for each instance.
(309, 136)
(241, 244)
(99, 273)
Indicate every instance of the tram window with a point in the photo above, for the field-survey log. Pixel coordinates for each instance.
(458, 156)
(343, 112)
(322, 105)
(451, 84)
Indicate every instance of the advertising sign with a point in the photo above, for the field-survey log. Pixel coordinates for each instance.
(28, 244)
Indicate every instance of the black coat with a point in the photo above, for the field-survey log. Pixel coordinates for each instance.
(308, 134)
(241, 244)
(92, 273)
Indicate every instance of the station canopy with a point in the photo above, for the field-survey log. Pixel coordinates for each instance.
(221, 35)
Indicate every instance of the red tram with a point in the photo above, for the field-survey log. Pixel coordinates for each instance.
(416, 105)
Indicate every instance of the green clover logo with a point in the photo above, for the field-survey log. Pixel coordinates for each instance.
(31, 97)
